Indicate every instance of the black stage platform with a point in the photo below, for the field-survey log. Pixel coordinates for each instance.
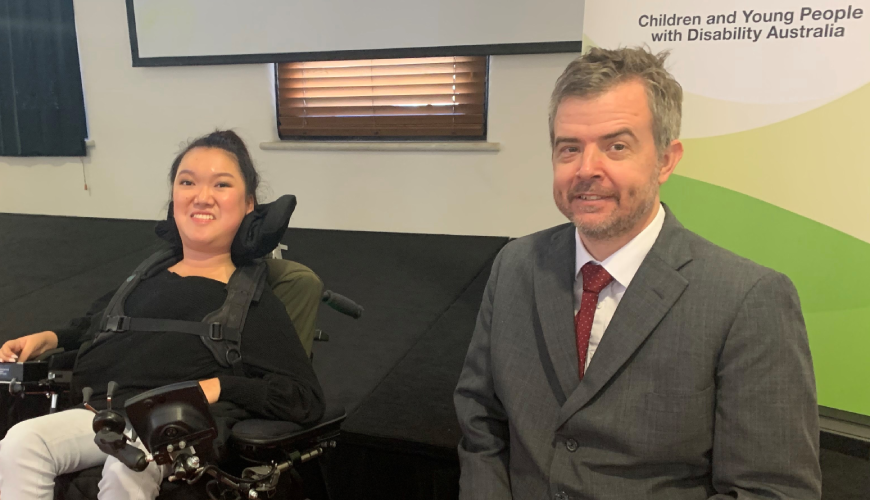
(394, 369)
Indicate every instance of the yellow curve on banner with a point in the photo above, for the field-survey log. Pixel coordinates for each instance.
(815, 164)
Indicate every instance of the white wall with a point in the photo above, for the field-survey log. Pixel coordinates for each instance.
(139, 118)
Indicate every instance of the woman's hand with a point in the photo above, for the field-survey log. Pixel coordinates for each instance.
(212, 389)
(27, 347)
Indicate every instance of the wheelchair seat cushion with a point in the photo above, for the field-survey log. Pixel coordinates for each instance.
(271, 433)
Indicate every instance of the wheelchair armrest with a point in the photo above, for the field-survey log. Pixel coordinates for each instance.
(251, 437)
(64, 360)
(48, 354)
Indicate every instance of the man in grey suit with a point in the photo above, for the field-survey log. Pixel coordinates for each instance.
(621, 356)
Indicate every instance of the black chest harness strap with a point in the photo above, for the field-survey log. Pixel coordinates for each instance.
(220, 331)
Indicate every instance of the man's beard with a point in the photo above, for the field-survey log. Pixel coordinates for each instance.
(617, 223)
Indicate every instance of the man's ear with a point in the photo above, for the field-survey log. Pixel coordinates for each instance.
(669, 160)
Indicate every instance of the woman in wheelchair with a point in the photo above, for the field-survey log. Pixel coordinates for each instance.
(214, 186)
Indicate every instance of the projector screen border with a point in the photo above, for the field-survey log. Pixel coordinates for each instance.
(444, 51)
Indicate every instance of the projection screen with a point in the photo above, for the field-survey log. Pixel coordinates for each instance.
(182, 32)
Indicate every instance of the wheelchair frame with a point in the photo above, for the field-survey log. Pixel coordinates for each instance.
(273, 447)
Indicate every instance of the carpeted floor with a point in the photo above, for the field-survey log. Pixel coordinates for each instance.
(844, 477)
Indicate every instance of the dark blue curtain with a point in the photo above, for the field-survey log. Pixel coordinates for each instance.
(42, 109)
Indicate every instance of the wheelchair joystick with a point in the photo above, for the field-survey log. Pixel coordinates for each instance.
(110, 390)
(110, 419)
(109, 426)
(87, 392)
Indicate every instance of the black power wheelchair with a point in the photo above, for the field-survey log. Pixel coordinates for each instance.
(176, 428)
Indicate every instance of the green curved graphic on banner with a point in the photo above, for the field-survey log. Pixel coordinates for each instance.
(830, 269)
(813, 164)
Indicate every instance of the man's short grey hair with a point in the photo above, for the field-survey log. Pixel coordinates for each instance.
(599, 70)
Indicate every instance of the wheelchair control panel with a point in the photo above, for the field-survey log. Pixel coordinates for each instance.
(176, 428)
(34, 378)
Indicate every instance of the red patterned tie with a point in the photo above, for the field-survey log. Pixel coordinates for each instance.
(595, 278)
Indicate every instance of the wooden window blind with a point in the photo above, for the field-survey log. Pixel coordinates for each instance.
(421, 98)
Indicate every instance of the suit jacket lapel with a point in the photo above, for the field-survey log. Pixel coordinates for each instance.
(652, 292)
(554, 297)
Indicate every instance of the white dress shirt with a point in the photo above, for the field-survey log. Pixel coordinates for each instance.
(622, 265)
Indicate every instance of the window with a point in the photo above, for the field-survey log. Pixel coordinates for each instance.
(433, 98)
(42, 107)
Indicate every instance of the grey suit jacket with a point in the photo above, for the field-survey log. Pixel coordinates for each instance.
(702, 385)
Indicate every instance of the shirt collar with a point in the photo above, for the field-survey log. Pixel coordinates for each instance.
(625, 262)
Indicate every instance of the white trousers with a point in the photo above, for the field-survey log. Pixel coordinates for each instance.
(35, 451)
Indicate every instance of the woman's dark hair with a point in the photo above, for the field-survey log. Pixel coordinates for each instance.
(230, 142)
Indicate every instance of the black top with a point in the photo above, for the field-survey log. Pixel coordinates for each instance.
(279, 383)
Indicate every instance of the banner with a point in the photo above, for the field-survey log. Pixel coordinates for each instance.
(777, 165)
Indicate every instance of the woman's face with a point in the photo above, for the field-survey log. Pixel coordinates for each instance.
(209, 200)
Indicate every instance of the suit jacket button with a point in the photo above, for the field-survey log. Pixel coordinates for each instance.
(571, 445)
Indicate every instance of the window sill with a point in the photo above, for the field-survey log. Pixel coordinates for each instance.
(481, 147)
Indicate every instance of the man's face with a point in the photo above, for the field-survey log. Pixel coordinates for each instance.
(606, 171)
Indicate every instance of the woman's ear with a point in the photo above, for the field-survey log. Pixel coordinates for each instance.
(249, 206)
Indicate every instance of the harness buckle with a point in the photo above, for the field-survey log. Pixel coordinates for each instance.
(215, 332)
(118, 323)
(233, 356)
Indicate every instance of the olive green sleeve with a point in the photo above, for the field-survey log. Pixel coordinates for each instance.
(300, 290)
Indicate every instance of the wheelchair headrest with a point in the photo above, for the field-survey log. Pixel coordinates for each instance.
(259, 233)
